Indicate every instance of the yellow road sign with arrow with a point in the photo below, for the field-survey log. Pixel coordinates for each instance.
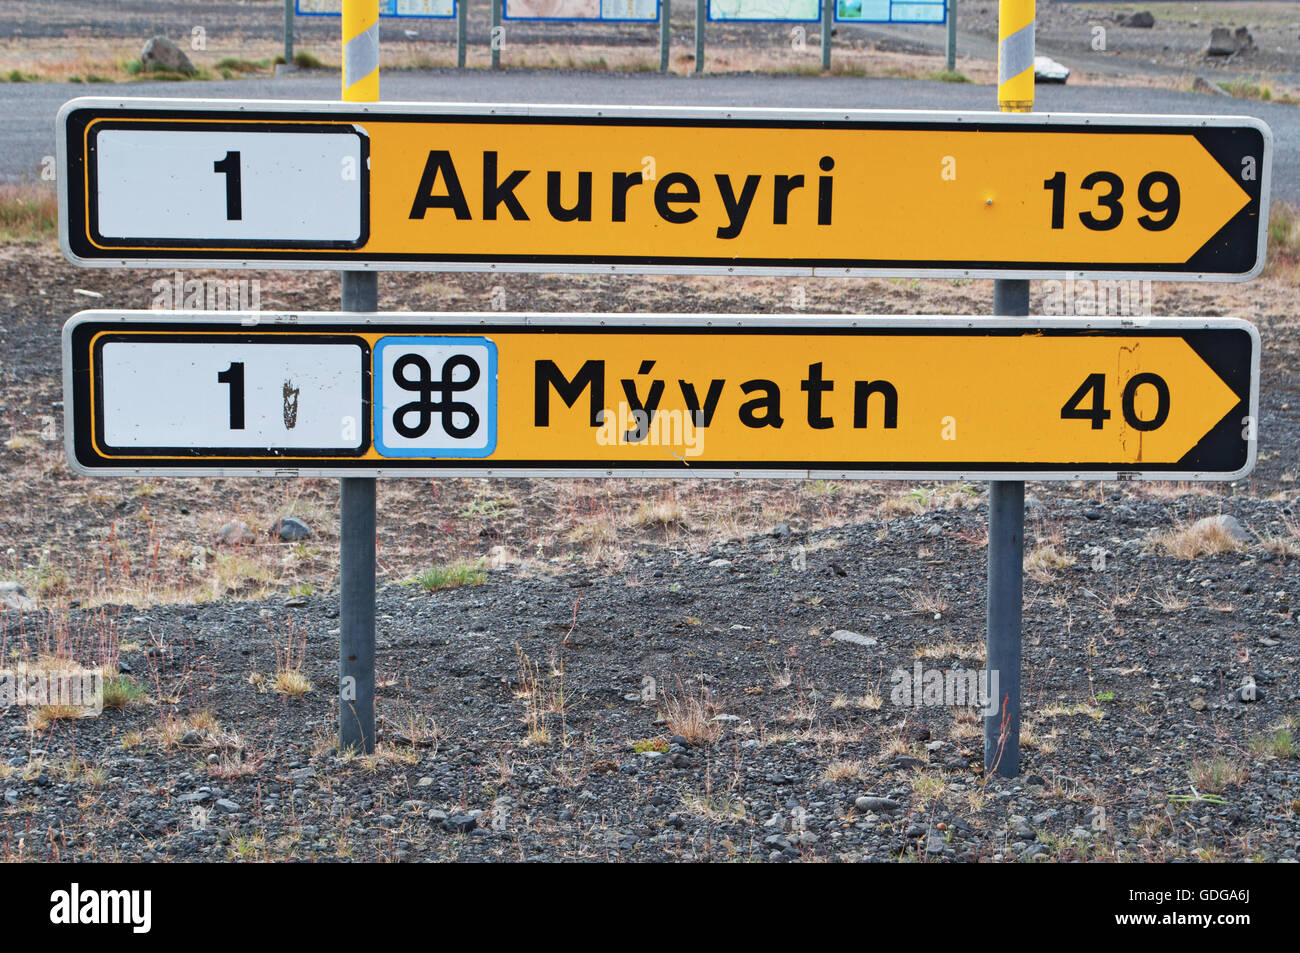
(667, 189)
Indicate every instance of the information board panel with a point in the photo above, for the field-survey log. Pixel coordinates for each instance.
(775, 11)
(891, 11)
(608, 11)
(429, 9)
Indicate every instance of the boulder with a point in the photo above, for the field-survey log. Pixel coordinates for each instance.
(1230, 526)
(1142, 20)
(14, 596)
(1221, 42)
(235, 533)
(160, 53)
(1229, 43)
(290, 529)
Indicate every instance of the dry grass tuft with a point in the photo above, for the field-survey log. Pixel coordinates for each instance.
(1215, 775)
(28, 213)
(1045, 560)
(950, 649)
(929, 602)
(290, 658)
(1206, 537)
(543, 697)
(665, 513)
(1283, 242)
(690, 714)
(844, 771)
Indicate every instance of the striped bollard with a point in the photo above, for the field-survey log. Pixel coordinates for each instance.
(361, 51)
(1016, 56)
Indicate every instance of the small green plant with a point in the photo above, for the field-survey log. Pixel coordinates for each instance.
(823, 488)
(650, 744)
(948, 76)
(1215, 775)
(121, 691)
(1244, 89)
(237, 65)
(489, 508)
(1277, 744)
(1105, 696)
(452, 575)
(305, 60)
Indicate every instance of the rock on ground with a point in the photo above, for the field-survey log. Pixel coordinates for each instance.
(160, 53)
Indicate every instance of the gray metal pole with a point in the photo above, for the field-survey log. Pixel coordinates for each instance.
(701, 17)
(497, 38)
(462, 31)
(828, 15)
(952, 36)
(357, 574)
(1006, 589)
(665, 33)
(288, 30)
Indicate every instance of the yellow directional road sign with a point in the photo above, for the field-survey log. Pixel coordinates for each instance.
(568, 188)
(704, 396)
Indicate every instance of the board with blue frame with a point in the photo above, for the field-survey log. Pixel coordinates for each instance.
(405, 9)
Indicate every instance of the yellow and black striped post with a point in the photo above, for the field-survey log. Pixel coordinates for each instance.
(1016, 56)
(361, 50)
(357, 494)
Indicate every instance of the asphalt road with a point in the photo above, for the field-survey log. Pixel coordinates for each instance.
(27, 110)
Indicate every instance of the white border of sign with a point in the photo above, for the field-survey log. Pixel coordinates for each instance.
(663, 112)
(432, 322)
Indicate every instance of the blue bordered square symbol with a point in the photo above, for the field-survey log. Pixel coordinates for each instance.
(435, 396)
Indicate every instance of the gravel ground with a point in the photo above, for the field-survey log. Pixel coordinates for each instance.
(516, 727)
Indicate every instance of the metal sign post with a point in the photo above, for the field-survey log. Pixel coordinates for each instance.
(497, 37)
(288, 30)
(357, 494)
(828, 18)
(462, 32)
(950, 48)
(665, 33)
(1006, 556)
(701, 18)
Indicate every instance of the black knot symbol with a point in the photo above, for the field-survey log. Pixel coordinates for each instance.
(426, 406)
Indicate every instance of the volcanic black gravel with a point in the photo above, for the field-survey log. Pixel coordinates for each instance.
(1125, 699)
